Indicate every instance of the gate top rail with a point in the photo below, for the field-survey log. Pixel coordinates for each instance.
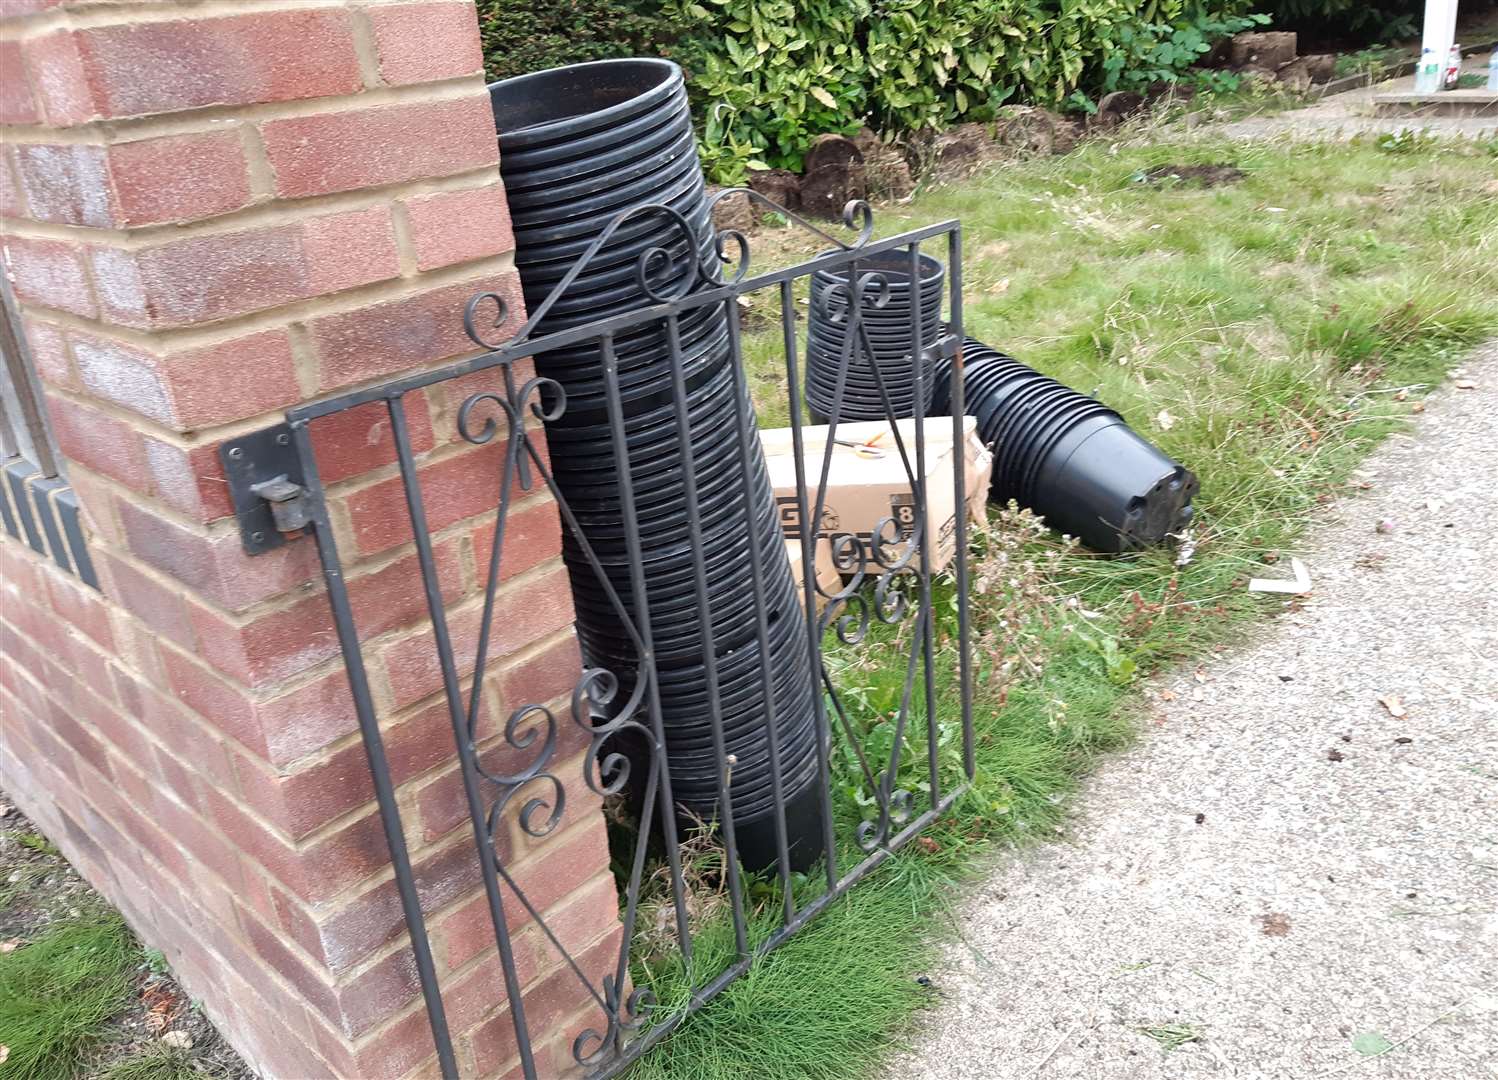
(522, 345)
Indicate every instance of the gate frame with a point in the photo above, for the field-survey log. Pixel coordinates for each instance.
(278, 493)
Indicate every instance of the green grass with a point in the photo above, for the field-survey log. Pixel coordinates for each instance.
(156, 1062)
(1260, 332)
(58, 992)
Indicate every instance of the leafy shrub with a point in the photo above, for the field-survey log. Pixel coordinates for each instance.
(770, 75)
(521, 36)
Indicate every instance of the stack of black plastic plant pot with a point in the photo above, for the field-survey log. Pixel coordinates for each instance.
(876, 377)
(579, 146)
(1069, 457)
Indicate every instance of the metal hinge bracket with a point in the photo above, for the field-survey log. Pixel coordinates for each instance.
(265, 486)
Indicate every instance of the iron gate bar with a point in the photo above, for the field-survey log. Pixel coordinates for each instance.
(847, 609)
(521, 346)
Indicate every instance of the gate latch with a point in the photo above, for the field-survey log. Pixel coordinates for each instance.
(265, 485)
(288, 503)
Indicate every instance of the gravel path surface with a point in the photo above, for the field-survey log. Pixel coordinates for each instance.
(1281, 870)
(1351, 113)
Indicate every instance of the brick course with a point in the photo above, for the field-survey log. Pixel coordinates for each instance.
(210, 215)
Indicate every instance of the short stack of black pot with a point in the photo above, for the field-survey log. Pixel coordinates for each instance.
(879, 366)
(578, 146)
(1068, 457)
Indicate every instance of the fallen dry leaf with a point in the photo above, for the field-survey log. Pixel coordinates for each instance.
(928, 845)
(177, 1040)
(1465, 384)
(1335, 755)
(1395, 707)
(1418, 406)
(1275, 924)
(1167, 695)
(11, 946)
(1165, 420)
(1403, 395)
(4, 1053)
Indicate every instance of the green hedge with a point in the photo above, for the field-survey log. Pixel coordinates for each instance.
(777, 73)
(522, 36)
(767, 76)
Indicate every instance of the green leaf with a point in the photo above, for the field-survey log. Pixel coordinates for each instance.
(1371, 1044)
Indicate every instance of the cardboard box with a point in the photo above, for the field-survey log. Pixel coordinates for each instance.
(822, 565)
(863, 489)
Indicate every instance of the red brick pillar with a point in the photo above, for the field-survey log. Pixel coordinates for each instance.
(212, 213)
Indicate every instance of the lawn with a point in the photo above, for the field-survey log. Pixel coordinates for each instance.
(1266, 332)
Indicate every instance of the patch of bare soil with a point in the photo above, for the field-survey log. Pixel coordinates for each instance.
(1204, 175)
(40, 890)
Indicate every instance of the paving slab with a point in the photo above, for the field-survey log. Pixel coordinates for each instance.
(1286, 874)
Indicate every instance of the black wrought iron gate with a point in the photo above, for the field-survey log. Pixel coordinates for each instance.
(888, 646)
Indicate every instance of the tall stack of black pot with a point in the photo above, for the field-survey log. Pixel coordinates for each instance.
(578, 146)
(853, 383)
(1068, 457)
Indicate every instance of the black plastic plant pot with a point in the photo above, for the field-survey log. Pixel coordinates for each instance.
(558, 107)
(1068, 457)
(1114, 491)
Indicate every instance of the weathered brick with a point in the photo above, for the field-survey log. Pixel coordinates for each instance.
(353, 248)
(205, 278)
(282, 728)
(124, 375)
(59, 79)
(522, 614)
(67, 184)
(189, 479)
(179, 177)
(16, 104)
(159, 606)
(49, 273)
(401, 335)
(533, 534)
(156, 67)
(98, 441)
(121, 288)
(360, 439)
(341, 937)
(547, 1004)
(269, 647)
(443, 801)
(208, 386)
(386, 144)
(395, 595)
(451, 227)
(541, 676)
(423, 42)
(49, 352)
(312, 987)
(197, 387)
(456, 487)
(215, 563)
(315, 872)
(565, 863)
(12, 202)
(81, 606)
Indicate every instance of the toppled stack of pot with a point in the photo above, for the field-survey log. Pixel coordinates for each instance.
(1067, 456)
(578, 147)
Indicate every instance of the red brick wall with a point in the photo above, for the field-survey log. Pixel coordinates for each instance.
(211, 213)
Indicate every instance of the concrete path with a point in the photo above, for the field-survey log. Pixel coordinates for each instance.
(1283, 870)
(1351, 113)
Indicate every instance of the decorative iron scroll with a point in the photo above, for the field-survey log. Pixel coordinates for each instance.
(885, 588)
